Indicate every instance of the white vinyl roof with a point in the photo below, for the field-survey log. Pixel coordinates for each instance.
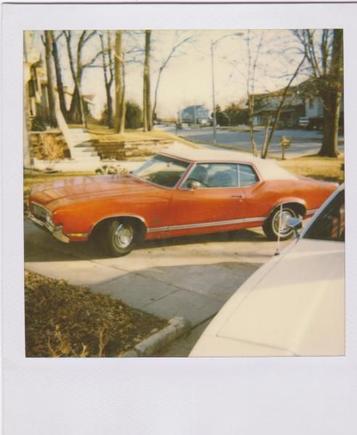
(268, 169)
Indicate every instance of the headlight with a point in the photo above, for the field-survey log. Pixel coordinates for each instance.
(49, 219)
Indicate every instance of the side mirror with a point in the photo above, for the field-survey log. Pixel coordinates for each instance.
(295, 223)
(193, 184)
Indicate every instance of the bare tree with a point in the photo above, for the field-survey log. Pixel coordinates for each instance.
(108, 73)
(147, 113)
(58, 70)
(323, 50)
(252, 67)
(76, 112)
(173, 51)
(253, 59)
(270, 129)
(48, 41)
(119, 121)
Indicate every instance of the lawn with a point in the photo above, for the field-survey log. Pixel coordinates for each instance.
(321, 168)
(63, 320)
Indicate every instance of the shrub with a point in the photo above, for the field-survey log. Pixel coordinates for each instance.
(133, 116)
(38, 124)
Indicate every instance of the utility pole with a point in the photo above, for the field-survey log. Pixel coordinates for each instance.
(214, 117)
(213, 95)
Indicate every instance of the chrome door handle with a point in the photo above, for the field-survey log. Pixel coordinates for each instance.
(237, 196)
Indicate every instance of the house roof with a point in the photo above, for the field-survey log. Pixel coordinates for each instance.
(306, 86)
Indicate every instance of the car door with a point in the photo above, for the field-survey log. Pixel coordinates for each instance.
(209, 197)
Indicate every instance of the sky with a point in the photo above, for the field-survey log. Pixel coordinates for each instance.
(187, 78)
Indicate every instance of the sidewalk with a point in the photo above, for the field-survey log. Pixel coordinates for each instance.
(191, 277)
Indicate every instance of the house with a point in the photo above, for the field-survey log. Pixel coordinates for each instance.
(196, 114)
(35, 80)
(302, 102)
(266, 105)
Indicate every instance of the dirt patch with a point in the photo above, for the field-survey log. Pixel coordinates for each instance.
(63, 320)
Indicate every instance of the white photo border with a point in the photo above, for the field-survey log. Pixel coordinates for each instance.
(167, 396)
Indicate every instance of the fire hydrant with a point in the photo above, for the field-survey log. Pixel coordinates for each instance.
(285, 143)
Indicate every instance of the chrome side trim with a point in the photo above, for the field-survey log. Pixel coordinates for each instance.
(311, 211)
(205, 224)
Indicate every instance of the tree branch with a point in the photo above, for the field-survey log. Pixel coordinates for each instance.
(277, 113)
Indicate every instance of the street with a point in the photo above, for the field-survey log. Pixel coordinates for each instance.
(191, 277)
(303, 142)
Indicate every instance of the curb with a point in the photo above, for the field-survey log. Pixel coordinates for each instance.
(177, 326)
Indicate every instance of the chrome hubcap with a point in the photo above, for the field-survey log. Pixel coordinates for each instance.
(280, 222)
(123, 236)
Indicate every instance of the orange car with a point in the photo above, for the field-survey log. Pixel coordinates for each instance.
(178, 193)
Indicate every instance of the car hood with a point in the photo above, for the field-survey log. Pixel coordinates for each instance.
(293, 305)
(78, 188)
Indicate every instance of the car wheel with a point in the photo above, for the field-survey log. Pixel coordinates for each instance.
(279, 218)
(120, 237)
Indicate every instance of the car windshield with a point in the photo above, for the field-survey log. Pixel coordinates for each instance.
(330, 224)
(162, 170)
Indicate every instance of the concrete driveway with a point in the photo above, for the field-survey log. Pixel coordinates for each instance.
(190, 277)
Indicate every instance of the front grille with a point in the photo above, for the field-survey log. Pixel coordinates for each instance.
(39, 212)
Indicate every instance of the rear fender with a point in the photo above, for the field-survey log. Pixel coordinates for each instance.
(289, 200)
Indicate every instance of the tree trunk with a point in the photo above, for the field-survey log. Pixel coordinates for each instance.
(146, 85)
(109, 105)
(267, 132)
(156, 93)
(118, 78)
(50, 89)
(60, 88)
(108, 77)
(331, 97)
(251, 125)
(76, 110)
(122, 103)
(331, 113)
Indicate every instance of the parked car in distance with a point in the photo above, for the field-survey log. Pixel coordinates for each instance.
(295, 304)
(303, 122)
(184, 191)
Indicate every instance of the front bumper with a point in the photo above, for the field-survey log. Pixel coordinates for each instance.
(55, 230)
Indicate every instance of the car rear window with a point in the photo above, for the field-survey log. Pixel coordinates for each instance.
(246, 175)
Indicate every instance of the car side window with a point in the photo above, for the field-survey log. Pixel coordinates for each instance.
(214, 175)
(330, 225)
(246, 175)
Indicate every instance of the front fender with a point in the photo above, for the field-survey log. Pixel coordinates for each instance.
(116, 216)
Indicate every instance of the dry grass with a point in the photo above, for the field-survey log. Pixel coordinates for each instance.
(321, 168)
(63, 320)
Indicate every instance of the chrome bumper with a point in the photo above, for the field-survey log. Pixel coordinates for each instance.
(56, 231)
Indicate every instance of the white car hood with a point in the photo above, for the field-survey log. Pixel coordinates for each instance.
(294, 305)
